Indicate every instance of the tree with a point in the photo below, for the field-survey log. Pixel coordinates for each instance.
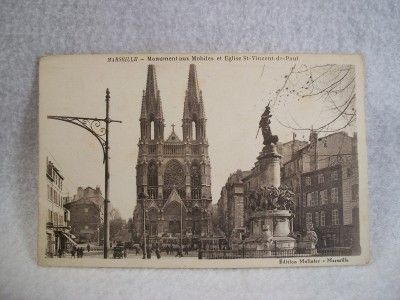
(116, 224)
(325, 92)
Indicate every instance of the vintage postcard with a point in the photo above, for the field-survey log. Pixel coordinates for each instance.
(202, 161)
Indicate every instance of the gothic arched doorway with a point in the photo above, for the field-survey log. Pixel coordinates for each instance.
(173, 216)
(152, 222)
(196, 221)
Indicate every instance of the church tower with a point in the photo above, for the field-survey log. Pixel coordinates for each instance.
(194, 120)
(173, 174)
(151, 117)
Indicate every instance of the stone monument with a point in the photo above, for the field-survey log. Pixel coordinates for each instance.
(270, 205)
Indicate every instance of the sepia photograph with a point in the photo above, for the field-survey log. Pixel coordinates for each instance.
(202, 161)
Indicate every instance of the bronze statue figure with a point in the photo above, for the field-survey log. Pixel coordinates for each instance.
(264, 124)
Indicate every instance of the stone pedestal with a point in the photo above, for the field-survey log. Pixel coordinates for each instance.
(269, 160)
(281, 220)
(277, 224)
(284, 243)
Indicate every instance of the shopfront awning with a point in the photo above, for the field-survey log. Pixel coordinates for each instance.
(69, 238)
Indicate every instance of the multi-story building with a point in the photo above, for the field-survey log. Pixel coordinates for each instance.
(86, 214)
(231, 204)
(295, 161)
(173, 174)
(289, 149)
(322, 205)
(323, 174)
(223, 210)
(331, 205)
(57, 227)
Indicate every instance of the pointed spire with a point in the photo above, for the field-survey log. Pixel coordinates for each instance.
(193, 85)
(151, 84)
(193, 100)
(186, 110)
(201, 107)
(143, 113)
(159, 110)
(151, 103)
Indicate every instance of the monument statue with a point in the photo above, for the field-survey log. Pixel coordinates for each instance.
(264, 124)
(271, 198)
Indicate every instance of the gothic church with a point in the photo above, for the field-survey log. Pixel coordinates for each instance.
(173, 174)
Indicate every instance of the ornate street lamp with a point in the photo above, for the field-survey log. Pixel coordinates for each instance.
(100, 129)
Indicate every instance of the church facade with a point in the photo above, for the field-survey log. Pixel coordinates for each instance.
(173, 173)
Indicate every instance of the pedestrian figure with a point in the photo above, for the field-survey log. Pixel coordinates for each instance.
(158, 253)
(148, 252)
(125, 254)
(88, 247)
(136, 251)
(167, 250)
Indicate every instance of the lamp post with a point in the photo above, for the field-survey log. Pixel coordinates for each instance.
(181, 237)
(144, 198)
(100, 130)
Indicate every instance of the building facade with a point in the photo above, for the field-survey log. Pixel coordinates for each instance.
(231, 204)
(324, 176)
(57, 226)
(86, 215)
(173, 174)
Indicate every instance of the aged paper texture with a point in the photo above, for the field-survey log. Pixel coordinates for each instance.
(202, 161)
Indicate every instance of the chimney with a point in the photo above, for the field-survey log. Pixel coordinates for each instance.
(313, 150)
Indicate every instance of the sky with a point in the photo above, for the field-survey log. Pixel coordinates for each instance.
(234, 94)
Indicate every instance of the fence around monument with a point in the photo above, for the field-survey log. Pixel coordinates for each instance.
(246, 253)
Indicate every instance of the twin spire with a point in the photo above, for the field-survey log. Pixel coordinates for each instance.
(193, 106)
(151, 101)
(151, 111)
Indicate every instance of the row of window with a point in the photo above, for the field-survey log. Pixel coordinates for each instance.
(319, 218)
(53, 174)
(321, 198)
(334, 175)
(55, 218)
(54, 196)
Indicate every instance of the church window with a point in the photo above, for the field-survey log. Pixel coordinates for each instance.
(152, 130)
(194, 130)
(174, 177)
